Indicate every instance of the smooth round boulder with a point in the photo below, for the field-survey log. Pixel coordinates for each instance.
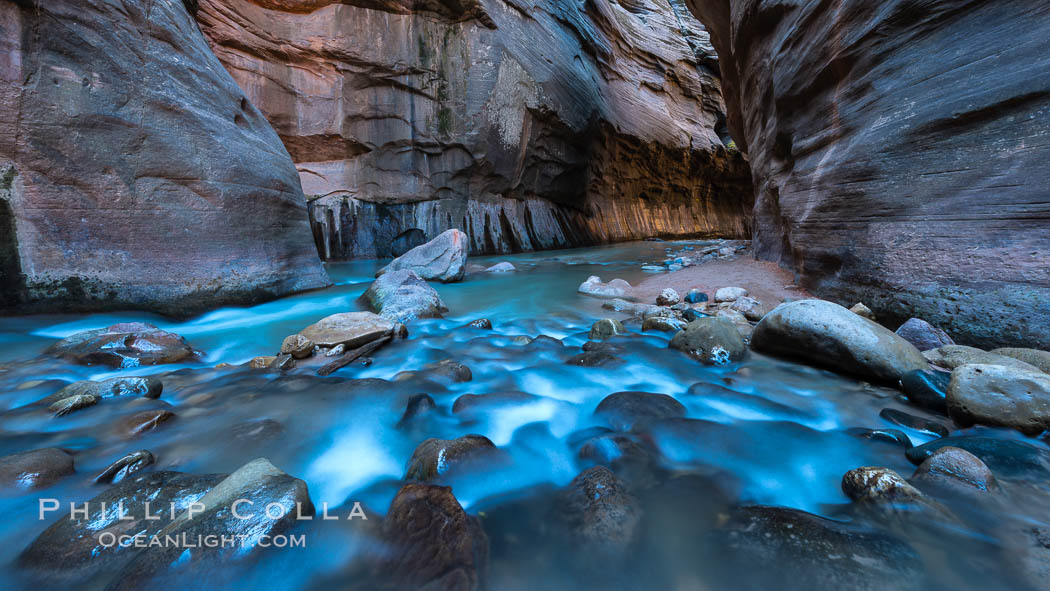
(953, 356)
(147, 386)
(955, 468)
(873, 484)
(350, 329)
(668, 297)
(923, 335)
(1000, 395)
(442, 259)
(1033, 357)
(129, 344)
(35, 468)
(606, 328)
(712, 341)
(730, 294)
(828, 335)
(435, 458)
(625, 410)
(298, 345)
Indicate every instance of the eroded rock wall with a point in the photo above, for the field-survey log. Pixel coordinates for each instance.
(134, 173)
(526, 124)
(899, 151)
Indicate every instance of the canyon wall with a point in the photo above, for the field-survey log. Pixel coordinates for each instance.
(899, 152)
(527, 124)
(134, 173)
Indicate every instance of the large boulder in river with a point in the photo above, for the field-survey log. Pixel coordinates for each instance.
(442, 259)
(713, 341)
(34, 469)
(829, 335)
(434, 458)
(123, 345)
(1000, 395)
(350, 329)
(402, 296)
(134, 172)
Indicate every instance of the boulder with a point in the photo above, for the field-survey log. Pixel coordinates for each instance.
(751, 308)
(713, 341)
(598, 513)
(886, 494)
(34, 469)
(63, 407)
(1034, 357)
(617, 288)
(923, 335)
(402, 296)
(829, 335)
(350, 329)
(663, 324)
(432, 543)
(730, 294)
(954, 469)
(624, 410)
(503, 267)
(301, 347)
(447, 371)
(606, 328)
(442, 259)
(125, 467)
(136, 424)
(908, 421)
(417, 407)
(1000, 395)
(863, 311)
(124, 345)
(435, 458)
(477, 405)
(953, 356)
(668, 297)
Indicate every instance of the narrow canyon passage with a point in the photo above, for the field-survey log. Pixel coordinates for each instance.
(500, 294)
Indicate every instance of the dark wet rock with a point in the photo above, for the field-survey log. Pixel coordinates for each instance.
(1005, 457)
(668, 297)
(954, 468)
(923, 335)
(695, 296)
(626, 454)
(262, 490)
(663, 324)
(598, 512)
(597, 357)
(713, 341)
(478, 404)
(406, 241)
(503, 267)
(350, 329)
(299, 346)
(884, 493)
(894, 436)
(125, 467)
(149, 387)
(1034, 357)
(953, 356)
(262, 362)
(913, 422)
(1029, 551)
(751, 308)
(258, 430)
(482, 323)
(1000, 395)
(927, 388)
(606, 328)
(543, 342)
(829, 335)
(447, 371)
(34, 469)
(402, 296)
(418, 406)
(283, 362)
(442, 259)
(624, 410)
(129, 344)
(67, 405)
(691, 314)
(70, 546)
(762, 547)
(617, 288)
(435, 458)
(143, 422)
(433, 543)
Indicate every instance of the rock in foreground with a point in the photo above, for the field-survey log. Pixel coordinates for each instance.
(442, 259)
(350, 329)
(713, 341)
(129, 344)
(1000, 395)
(402, 296)
(829, 335)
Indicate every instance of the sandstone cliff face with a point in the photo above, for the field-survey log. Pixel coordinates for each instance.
(526, 124)
(133, 171)
(899, 151)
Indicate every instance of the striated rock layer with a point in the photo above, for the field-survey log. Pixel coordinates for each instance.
(134, 173)
(899, 152)
(525, 124)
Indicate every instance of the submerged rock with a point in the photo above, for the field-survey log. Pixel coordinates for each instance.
(763, 547)
(350, 329)
(1000, 395)
(663, 324)
(125, 466)
(617, 288)
(624, 410)
(142, 422)
(913, 422)
(598, 513)
(447, 371)
(69, 404)
(442, 259)
(34, 469)
(923, 335)
(1006, 457)
(829, 335)
(435, 458)
(884, 493)
(606, 328)
(953, 356)
(713, 341)
(418, 406)
(402, 296)
(927, 389)
(954, 468)
(129, 344)
(148, 387)
(472, 405)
